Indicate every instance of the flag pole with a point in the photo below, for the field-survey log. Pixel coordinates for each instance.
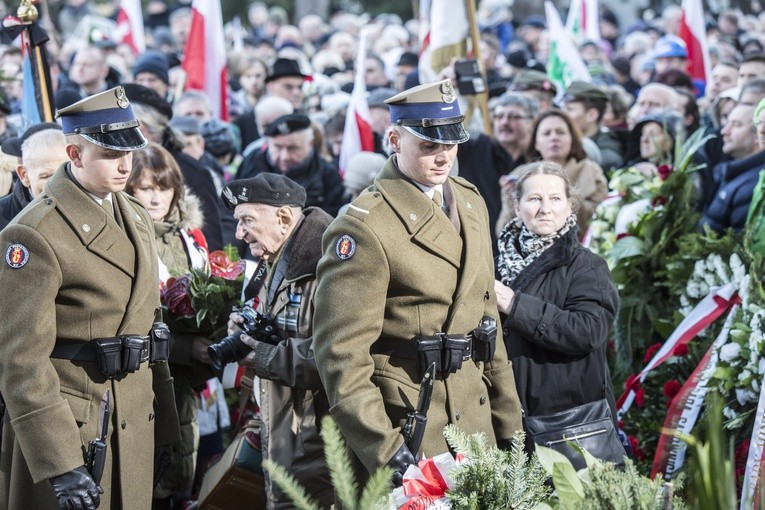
(483, 97)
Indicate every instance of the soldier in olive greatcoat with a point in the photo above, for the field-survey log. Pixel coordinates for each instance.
(79, 280)
(410, 259)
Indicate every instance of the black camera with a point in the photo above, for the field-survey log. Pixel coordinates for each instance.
(469, 79)
(231, 349)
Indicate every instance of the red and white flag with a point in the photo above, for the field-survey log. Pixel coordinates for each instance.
(693, 32)
(204, 57)
(130, 25)
(357, 133)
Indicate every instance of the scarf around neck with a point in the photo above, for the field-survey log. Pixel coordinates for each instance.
(519, 247)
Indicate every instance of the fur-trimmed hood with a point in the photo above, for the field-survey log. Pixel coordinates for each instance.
(191, 212)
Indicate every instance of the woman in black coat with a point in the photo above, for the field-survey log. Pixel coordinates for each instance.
(557, 298)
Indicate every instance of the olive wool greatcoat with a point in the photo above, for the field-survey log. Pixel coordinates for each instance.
(70, 272)
(393, 268)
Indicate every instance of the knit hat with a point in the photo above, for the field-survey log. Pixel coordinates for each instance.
(152, 62)
(362, 169)
(221, 138)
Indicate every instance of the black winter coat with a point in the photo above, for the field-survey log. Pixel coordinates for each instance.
(556, 331)
(12, 204)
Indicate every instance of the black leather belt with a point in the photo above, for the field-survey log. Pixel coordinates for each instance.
(76, 350)
(407, 349)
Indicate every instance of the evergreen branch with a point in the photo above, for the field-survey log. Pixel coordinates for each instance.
(343, 477)
(289, 485)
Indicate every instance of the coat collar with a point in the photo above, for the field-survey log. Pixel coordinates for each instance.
(559, 254)
(417, 212)
(306, 251)
(99, 234)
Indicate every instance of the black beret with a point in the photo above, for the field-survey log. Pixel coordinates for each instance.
(288, 124)
(144, 95)
(264, 188)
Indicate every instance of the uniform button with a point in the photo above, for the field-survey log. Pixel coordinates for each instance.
(48, 202)
(482, 400)
(542, 327)
(263, 391)
(124, 425)
(151, 416)
(86, 227)
(457, 417)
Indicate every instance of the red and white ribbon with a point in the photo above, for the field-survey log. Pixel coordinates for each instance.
(686, 406)
(425, 484)
(706, 312)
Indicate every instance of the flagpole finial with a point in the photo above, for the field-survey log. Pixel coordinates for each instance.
(27, 12)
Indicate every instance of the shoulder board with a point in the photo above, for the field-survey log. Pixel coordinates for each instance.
(37, 210)
(364, 203)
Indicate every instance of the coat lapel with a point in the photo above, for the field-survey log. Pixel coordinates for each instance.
(475, 254)
(99, 234)
(433, 232)
(141, 235)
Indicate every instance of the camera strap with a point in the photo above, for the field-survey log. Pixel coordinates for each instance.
(253, 287)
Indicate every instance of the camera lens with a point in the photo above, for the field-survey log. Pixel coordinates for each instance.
(228, 350)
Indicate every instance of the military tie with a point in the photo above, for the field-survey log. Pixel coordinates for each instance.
(438, 198)
(106, 205)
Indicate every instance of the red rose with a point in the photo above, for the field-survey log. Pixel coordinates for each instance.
(664, 171)
(640, 397)
(630, 381)
(742, 452)
(637, 452)
(651, 351)
(680, 350)
(176, 296)
(658, 201)
(222, 266)
(671, 388)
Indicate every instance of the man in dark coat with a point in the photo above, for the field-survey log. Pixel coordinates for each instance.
(41, 149)
(290, 151)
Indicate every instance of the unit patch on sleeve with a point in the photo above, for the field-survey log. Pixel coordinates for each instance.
(17, 256)
(345, 248)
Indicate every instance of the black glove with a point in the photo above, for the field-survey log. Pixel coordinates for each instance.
(399, 462)
(76, 490)
(161, 462)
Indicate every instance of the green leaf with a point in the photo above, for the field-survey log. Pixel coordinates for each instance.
(567, 483)
(630, 246)
(549, 457)
(289, 485)
(343, 478)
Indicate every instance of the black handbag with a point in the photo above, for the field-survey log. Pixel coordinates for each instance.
(590, 426)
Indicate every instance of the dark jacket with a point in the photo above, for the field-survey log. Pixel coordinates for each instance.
(321, 180)
(611, 149)
(556, 331)
(734, 183)
(11, 205)
(482, 161)
(198, 179)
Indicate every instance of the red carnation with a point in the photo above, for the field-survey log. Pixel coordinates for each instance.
(651, 351)
(640, 397)
(630, 381)
(664, 171)
(222, 266)
(176, 296)
(680, 350)
(672, 388)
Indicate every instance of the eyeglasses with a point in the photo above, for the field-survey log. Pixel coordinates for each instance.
(510, 116)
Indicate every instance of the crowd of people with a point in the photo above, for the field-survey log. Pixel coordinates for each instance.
(448, 244)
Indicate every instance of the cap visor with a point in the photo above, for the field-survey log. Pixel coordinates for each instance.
(123, 140)
(449, 133)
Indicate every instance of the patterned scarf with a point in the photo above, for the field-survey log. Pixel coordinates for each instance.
(518, 247)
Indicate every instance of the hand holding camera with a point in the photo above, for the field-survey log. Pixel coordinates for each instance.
(232, 348)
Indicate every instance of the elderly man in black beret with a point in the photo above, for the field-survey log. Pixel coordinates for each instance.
(290, 150)
(272, 220)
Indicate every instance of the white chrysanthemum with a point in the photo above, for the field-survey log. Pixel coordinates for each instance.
(722, 270)
(729, 413)
(743, 396)
(738, 269)
(730, 351)
(744, 376)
